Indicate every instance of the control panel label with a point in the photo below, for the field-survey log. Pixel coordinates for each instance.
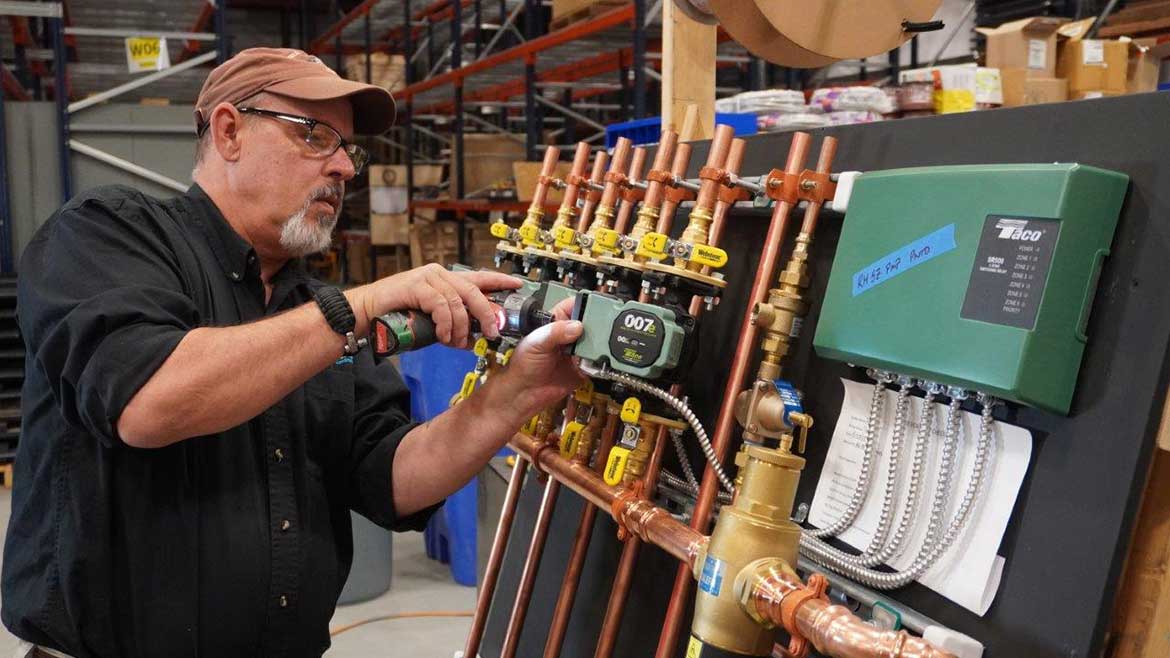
(1010, 270)
(636, 338)
(909, 256)
(711, 580)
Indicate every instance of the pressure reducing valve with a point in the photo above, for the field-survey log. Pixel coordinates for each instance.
(643, 340)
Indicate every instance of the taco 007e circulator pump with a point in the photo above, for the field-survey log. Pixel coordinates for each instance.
(980, 277)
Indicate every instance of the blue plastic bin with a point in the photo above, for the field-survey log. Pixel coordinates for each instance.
(434, 375)
(647, 131)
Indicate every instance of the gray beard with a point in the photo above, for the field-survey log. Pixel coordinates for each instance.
(301, 237)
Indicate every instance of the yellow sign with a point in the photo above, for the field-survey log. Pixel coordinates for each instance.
(147, 54)
(694, 648)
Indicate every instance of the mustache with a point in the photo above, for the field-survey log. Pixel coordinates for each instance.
(330, 194)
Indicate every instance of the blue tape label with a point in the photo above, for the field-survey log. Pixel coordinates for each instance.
(897, 262)
(711, 580)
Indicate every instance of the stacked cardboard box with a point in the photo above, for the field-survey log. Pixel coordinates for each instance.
(1025, 52)
(1094, 67)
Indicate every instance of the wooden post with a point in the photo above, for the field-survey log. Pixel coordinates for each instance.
(1141, 616)
(688, 70)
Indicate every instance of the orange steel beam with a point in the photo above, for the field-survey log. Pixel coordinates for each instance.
(565, 35)
(335, 29)
(12, 86)
(192, 47)
(586, 68)
(20, 32)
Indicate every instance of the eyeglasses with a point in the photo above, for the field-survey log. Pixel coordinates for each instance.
(320, 136)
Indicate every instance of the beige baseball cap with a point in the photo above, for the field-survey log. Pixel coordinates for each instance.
(295, 74)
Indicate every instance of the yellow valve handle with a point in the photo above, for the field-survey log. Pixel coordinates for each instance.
(631, 410)
(481, 348)
(709, 256)
(530, 235)
(570, 438)
(615, 467)
(530, 427)
(584, 392)
(565, 238)
(605, 241)
(653, 245)
(499, 230)
(469, 382)
(507, 356)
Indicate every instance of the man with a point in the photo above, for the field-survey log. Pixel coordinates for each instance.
(197, 424)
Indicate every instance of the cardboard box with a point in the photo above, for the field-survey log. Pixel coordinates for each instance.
(1091, 64)
(1096, 93)
(959, 88)
(1021, 89)
(395, 175)
(386, 71)
(1147, 57)
(526, 173)
(487, 162)
(389, 229)
(1028, 44)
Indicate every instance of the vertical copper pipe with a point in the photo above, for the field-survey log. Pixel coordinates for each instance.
(824, 162)
(576, 562)
(531, 565)
(733, 164)
(600, 162)
(491, 573)
(721, 441)
(573, 190)
(720, 144)
(627, 208)
(621, 154)
(662, 160)
(682, 158)
(547, 167)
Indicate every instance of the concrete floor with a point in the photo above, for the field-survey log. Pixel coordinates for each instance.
(418, 584)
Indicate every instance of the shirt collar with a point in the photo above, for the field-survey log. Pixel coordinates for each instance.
(232, 251)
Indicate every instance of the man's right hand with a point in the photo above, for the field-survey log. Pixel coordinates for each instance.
(447, 297)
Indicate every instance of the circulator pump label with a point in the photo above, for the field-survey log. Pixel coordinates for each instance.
(711, 580)
(636, 338)
(1010, 270)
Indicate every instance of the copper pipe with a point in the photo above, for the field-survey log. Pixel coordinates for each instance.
(491, 573)
(719, 215)
(678, 168)
(824, 162)
(617, 164)
(637, 162)
(721, 440)
(662, 159)
(531, 565)
(547, 167)
(600, 162)
(777, 597)
(576, 562)
(641, 517)
(720, 144)
(572, 189)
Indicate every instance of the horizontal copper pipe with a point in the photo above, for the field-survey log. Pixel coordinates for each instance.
(491, 572)
(779, 597)
(640, 517)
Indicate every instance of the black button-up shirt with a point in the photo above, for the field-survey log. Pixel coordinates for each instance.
(235, 544)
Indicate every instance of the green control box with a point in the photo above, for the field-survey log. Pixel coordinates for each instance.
(978, 276)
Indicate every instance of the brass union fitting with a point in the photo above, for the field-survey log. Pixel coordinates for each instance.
(698, 225)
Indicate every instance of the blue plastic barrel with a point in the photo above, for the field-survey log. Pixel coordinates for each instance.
(434, 375)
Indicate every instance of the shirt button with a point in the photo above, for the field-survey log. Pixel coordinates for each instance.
(235, 276)
(279, 454)
(285, 525)
(283, 601)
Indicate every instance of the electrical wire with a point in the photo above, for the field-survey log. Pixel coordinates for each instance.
(333, 632)
(676, 403)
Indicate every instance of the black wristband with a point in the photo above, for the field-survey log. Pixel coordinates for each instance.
(339, 314)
